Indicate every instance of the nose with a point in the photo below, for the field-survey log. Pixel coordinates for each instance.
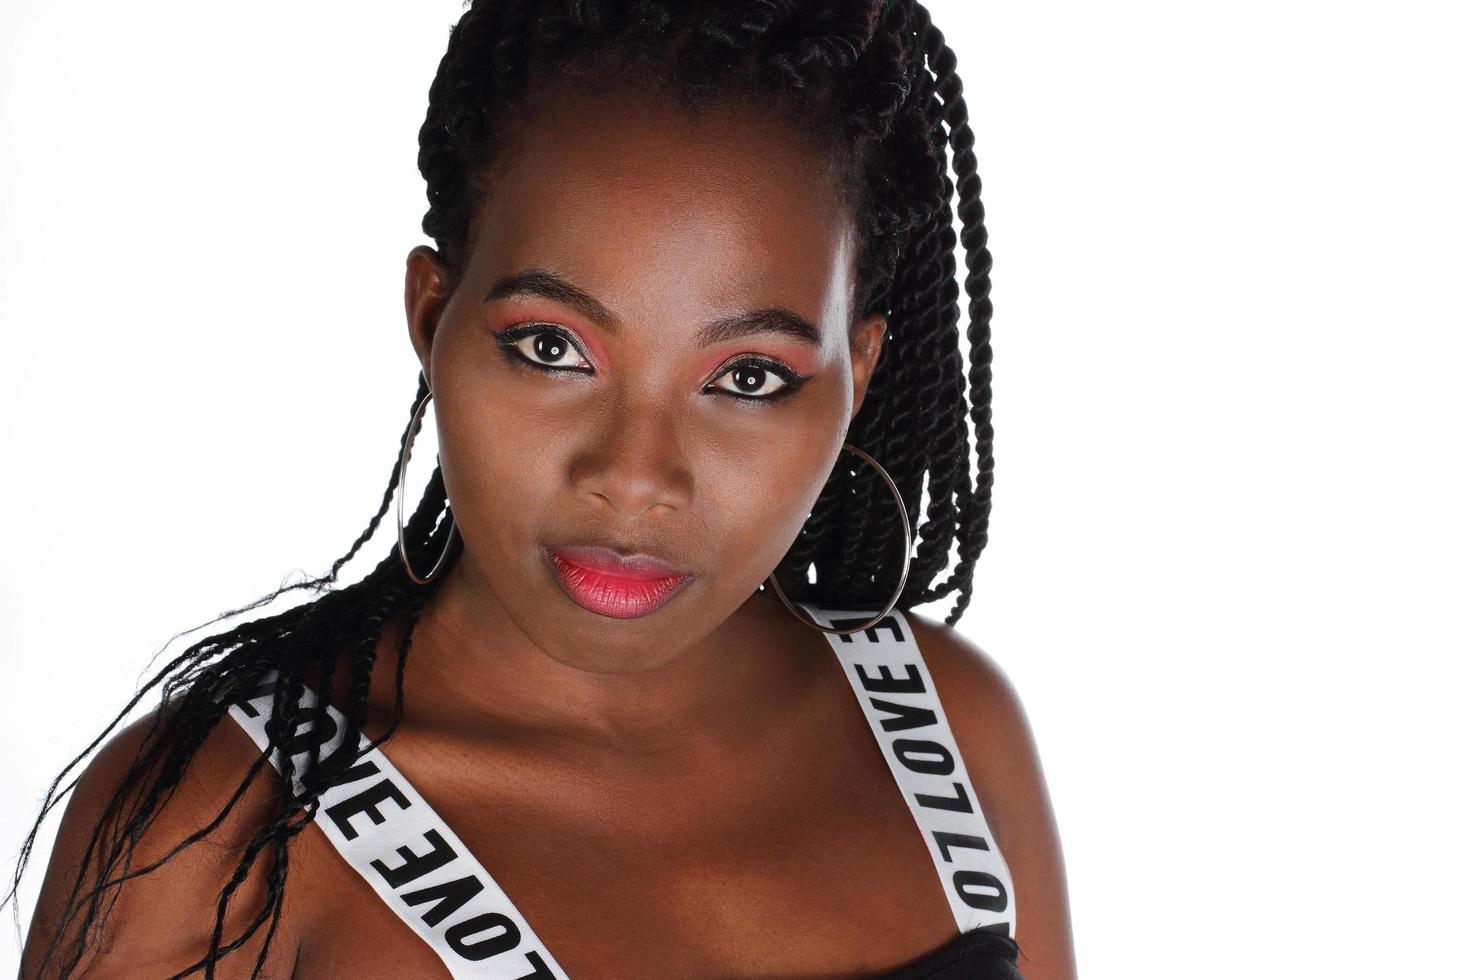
(635, 460)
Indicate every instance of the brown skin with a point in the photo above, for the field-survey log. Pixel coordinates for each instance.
(632, 784)
(668, 228)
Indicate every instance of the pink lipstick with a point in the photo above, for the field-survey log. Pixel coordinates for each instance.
(608, 583)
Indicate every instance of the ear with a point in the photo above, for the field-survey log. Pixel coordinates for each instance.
(867, 344)
(426, 291)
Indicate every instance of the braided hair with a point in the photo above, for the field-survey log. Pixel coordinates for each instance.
(873, 79)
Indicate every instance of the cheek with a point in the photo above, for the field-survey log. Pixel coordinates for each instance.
(760, 491)
(500, 465)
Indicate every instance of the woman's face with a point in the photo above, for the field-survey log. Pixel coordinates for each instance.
(617, 235)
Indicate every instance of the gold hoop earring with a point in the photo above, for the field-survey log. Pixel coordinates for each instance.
(413, 431)
(903, 516)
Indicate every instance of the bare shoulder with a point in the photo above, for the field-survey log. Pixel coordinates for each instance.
(160, 922)
(995, 739)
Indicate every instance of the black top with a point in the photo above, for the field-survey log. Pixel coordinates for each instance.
(973, 955)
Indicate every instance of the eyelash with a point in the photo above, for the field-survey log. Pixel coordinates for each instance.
(506, 339)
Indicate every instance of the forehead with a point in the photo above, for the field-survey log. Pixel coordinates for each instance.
(639, 200)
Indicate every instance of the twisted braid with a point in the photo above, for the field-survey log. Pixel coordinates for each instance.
(974, 508)
(872, 79)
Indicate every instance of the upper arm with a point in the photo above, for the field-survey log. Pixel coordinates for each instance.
(161, 922)
(995, 740)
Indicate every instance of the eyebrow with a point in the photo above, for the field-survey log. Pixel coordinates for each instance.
(549, 285)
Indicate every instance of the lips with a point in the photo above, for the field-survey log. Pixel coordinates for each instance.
(611, 584)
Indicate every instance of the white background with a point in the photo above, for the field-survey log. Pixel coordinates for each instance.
(1227, 570)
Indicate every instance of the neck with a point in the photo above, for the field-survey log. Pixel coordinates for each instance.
(473, 669)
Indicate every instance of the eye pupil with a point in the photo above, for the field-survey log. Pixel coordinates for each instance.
(749, 376)
(549, 346)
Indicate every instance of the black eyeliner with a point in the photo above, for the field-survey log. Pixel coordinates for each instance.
(793, 380)
(506, 341)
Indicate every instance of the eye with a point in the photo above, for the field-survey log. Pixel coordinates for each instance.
(546, 347)
(541, 345)
(760, 380)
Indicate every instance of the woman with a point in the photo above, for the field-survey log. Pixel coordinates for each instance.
(686, 256)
